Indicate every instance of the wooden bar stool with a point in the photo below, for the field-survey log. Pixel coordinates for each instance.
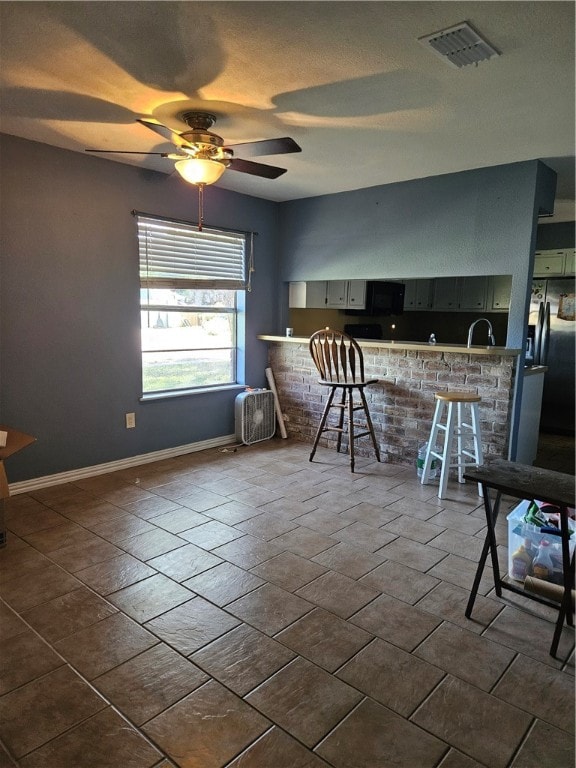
(340, 363)
(468, 450)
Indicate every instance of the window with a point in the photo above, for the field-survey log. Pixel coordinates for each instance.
(191, 292)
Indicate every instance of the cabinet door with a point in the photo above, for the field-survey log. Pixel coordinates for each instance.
(297, 295)
(473, 293)
(310, 295)
(356, 294)
(423, 294)
(410, 295)
(548, 263)
(337, 293)
(499, 293)
(417, 295)
(446, 293)
(316, 294)
(570, 261)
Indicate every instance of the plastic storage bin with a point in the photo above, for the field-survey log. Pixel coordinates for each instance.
(520, 532)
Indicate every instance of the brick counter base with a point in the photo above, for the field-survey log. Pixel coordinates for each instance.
(402, 403)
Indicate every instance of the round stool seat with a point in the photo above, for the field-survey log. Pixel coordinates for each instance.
(457, 397)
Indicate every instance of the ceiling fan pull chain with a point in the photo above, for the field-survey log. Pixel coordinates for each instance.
(200, 206)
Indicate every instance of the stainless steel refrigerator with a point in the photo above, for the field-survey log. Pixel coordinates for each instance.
(551, 342)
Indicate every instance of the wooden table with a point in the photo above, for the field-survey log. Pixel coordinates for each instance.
(525, 482)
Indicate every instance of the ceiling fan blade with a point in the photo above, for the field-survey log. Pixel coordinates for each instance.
(282, 146)
(127, 152)
(256, 169)
(162, 130)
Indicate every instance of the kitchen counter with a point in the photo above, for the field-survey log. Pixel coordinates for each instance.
(408, 345)
(402, 401)
(534, 370)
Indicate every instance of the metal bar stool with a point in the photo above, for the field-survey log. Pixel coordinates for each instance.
(453, 428)
(340, 363)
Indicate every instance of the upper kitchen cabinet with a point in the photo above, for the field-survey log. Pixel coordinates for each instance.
(473, 293)
(445, 293)
(555, 263)
(310, 295)
(499, 291)
(418, 295)
(327, 294)
(357, 294)
(337, 293)
(346, 294)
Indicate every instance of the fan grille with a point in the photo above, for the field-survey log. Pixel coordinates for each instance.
(255, 416)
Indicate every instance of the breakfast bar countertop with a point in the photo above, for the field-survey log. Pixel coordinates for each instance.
(403, 345)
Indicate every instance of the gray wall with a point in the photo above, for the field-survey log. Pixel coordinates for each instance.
(69, 311)
(480, 222)
(69, 299)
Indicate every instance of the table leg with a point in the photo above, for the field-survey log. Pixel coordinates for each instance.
(477, 578)
(489, 546)
(491, 516)
(565, 610)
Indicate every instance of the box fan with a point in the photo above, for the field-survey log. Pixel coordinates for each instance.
(255, 416)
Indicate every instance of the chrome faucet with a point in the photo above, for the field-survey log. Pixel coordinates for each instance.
(491, 341)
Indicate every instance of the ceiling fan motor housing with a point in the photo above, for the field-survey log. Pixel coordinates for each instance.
(207, 144)
(199, 120)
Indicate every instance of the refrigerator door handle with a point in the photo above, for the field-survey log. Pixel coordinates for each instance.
(545, 343)
(538, 334)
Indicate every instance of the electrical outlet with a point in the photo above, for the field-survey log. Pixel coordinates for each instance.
(130, 420)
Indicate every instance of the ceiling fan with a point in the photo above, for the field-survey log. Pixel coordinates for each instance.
(201, 156)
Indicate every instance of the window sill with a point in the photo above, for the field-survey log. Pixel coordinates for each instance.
(188, 392)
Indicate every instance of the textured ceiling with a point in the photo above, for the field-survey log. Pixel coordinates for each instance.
(349, 81)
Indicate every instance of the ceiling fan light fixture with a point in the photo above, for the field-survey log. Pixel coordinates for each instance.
(197, 170)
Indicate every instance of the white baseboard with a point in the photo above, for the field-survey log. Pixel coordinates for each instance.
(25, 486)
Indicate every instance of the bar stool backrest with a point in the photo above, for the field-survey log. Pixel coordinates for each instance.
(337, 356)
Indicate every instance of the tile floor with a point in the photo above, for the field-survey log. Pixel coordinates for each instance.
(556, 452)
(250, 609)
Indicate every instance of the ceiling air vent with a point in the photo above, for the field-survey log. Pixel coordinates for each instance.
(459, 45)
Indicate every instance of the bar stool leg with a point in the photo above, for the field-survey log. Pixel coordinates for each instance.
(369, 423)
(447, 452)
(436, 426)
(342, 408)
(460, 435)
(475, 419)
(351, 429)
(322, 422)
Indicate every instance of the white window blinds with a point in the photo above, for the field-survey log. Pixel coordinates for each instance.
(174, 254)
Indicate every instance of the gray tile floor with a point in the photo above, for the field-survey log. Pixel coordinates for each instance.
(556, 452)
(251, 609)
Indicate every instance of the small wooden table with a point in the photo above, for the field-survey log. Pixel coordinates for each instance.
(525, 482)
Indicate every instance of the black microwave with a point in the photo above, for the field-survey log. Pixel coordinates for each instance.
(383, 297)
